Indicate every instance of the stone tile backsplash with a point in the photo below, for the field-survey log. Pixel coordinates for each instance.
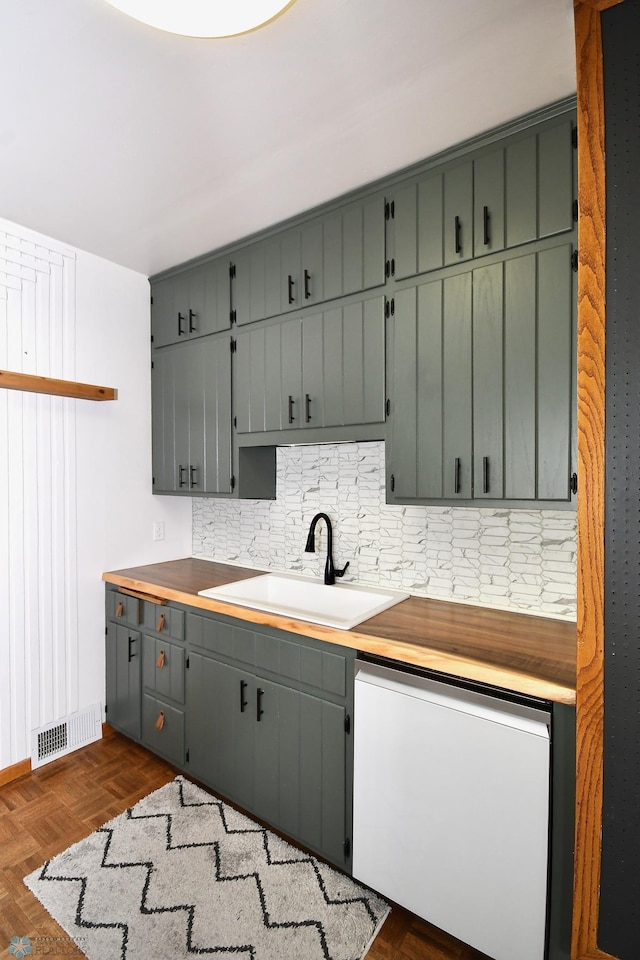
(512, 559)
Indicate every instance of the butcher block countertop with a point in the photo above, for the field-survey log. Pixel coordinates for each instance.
(515, 651)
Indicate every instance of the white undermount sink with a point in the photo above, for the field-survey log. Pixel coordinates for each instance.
(306, 598)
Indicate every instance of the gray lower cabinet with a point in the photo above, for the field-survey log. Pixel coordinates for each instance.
(481, 375)
(268, 726)
(123, 662)
(262, 717)
(324, 369)
(501, 196)
(191, 417)
(192, 303)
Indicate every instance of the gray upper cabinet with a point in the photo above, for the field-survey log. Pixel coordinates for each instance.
(325, 369)
(501, 196)
(191, 416)
(323, 259)
(480, 378)
(193, 303)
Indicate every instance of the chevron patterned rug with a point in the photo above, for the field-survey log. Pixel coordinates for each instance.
(182, 874)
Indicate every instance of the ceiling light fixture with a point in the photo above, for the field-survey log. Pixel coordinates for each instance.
(203, 18)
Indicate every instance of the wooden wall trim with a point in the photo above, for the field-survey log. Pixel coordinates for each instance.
(590, 507)
(14, 772)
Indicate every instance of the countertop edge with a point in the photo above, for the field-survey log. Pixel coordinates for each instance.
(452, 664)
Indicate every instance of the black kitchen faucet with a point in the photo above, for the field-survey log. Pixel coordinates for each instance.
(330, 572)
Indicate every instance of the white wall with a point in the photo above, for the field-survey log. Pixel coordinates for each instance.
(75, 476)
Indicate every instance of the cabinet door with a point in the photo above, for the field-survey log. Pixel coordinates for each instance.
(258, 380)
(210, 408)
(181, 357)
(488, 203)
(418, 222)
(415, 449)
(292, 414)
(313, 369)
(354, 248)
(209, 295)
(164, 317)
(488, 382)
(163, 729)
(162, 423)
(311, 263)
(458, 213)
(539, 184)
(353, 364)
(256, 285)
(123, 656)
(163, 667)
(220, 727)
(291, 286)
(457, 387)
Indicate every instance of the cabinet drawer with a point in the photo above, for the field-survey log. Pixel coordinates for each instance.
(163, 619)
(163, 729)
(163, 667)
(299, 659)
(123, 608)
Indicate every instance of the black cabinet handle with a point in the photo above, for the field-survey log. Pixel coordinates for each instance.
(456, 475)
(307, 407)
(259, 710)
(291, 284)
(485, 216)
(192, 326)
(192, 476)
(485, 474)
(243, 702)
(180, 319)
(457, 234)
(307, 289)
(130, 655)
(181, 480)
(291, 402)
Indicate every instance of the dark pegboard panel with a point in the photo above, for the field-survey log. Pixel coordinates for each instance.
(619, 925)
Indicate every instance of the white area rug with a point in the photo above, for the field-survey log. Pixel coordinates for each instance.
(182, 874)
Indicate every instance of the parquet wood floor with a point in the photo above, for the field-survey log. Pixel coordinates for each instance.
(45, 812)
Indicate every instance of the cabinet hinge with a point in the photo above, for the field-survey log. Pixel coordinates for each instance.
(393, 482)
(574, 261)
(232, 483)
(575, 211)
(106, 709)
(235, 421)
(347, 724)
(151, 338)
(389, 210)
(232, 317)
(233, 345)
(186, 757)
(187, 663)
(152, 365)
(106, 631)
(346, 846)
(573, 483)
(151, 299)
(387, 407)
(153, 480)
(232, 270)
(574, 137)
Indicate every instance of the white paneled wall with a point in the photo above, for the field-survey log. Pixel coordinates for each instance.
(75, 476)
(513, 559)
(38, 549)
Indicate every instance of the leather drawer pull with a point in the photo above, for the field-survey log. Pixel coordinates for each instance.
(161, 622)
(160, 721)
(160, 662)
(120, 609)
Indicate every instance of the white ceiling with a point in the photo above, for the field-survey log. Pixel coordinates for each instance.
(150, 149)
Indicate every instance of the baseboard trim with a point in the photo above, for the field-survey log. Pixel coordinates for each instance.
(14, 772)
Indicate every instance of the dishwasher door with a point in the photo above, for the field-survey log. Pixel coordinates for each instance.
(451, 808)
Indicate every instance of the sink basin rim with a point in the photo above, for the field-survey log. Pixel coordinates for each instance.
(355, 602)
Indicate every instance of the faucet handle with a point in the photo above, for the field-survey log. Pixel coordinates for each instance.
(341, 573)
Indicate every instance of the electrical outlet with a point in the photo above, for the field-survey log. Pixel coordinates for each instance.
(158, 530)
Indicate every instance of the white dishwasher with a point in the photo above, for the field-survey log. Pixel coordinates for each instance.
(451, 808)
